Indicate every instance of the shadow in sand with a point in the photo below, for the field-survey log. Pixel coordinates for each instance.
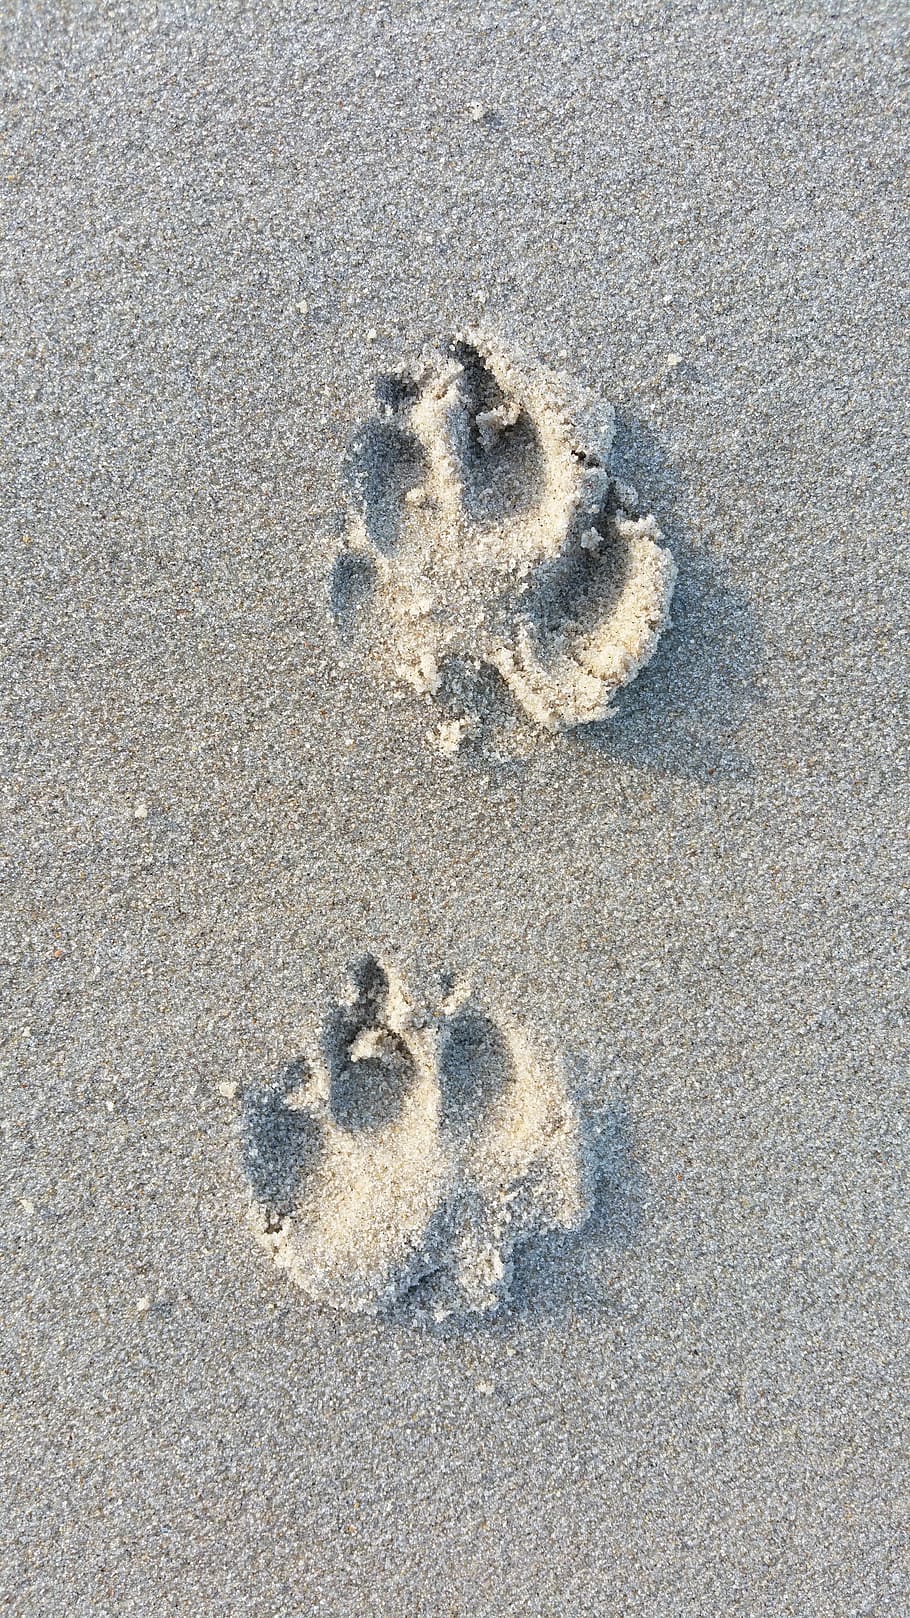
(684, 712)
(371, 1070)
(476, 1069)
(278, 1144)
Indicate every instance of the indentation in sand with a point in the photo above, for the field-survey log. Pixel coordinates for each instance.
(486, 531)
(406, 1154)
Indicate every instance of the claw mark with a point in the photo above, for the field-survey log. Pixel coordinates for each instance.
(408, 1154)
(492, 534)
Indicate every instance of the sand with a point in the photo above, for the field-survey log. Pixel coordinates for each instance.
(220, 225)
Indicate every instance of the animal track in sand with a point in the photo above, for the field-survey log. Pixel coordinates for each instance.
(486, 531)
(405, 1155)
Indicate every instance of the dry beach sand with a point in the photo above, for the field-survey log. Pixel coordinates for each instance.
(220, 223)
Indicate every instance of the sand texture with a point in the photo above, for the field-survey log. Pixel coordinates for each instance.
(560, 1267)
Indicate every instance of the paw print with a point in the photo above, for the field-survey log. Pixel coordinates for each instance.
(405, 1155)
(486, 531)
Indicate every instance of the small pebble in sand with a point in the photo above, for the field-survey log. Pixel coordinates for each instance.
(27, 1206)
(230, 1089)
(449, 735)
(144, 1305)
(140, 811)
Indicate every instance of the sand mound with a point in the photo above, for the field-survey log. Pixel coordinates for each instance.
(406, 1155)
(486, 531)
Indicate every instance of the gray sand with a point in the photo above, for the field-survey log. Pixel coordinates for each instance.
(210, 807)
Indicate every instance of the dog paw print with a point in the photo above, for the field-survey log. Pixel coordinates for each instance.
(487, 532)
(406, 1154)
